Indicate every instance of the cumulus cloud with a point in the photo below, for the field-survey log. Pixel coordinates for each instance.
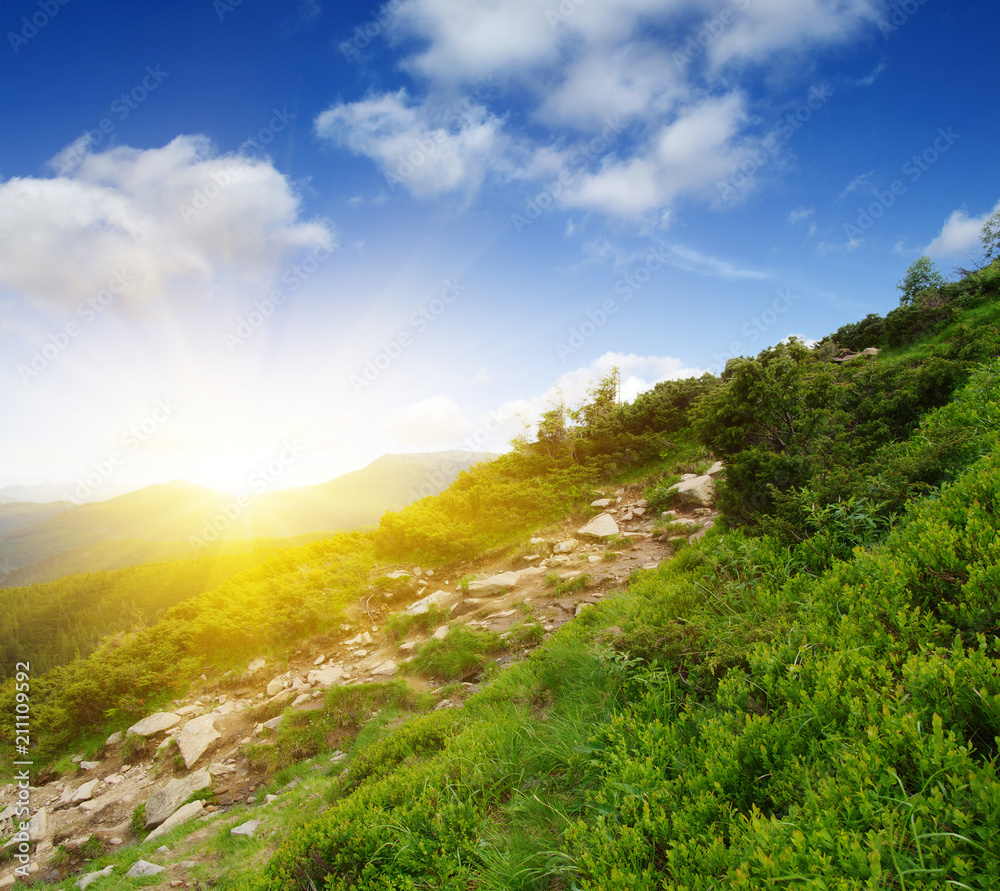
(426, 149)
(157, 218)
(690, 153)
(435, 421)
(960, 233)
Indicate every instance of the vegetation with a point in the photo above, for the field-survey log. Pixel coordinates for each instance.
(808, 699)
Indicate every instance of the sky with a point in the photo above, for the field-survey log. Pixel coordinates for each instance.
(250, 235)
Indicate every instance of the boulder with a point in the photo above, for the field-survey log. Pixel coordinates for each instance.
(188, 812)
(601, 502)
(86, 791)
(441, 632)
(319, 660)
(274, 723)
(38, 827)
(495, 584)
(153, 724)
(717, 468)
(566, 547)
(115, 738)
(326, 677)
(92, 877)
(385, 669)
(255, 666)
(602, 526)
(195, 738)
(162, 803)
(143, 868)
(247, 830)
(276, 686)
(421, 606)
(700, 491)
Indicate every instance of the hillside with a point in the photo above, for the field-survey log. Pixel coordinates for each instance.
(739, 633)
(183, 512)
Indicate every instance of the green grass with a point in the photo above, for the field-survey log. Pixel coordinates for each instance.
(463, 653)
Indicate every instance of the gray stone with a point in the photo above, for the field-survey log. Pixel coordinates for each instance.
(92, 877)
(495, 584)
(319, 660)
(86, 791)
(276, 686)
(89, 765)
(326, 677)
(188, 812)
(717, 468)
(255, 666)
(153, 724)
(602, 526)
(247, 830)
(274, 723)
(143, 868)
(566, 547)
(438, 598)
(441, 632)
(115, 738)
(38, 827)
(385, 669)
(162, 803)
(601, 502)
(195, 738)
(700, 491)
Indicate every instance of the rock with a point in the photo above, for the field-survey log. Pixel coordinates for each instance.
(359, 640)
(76, 759)
(566, 547)
(256, 665)
(407, 647)
(188, 812)
(385, 669)
(688, 476)
(701, 532)
(276, 686)
(326, 677)
(38, 827)
(602, 526)
(114, 779)
(274, 722)
(89, 765)
(86, 791)
(115, 738)
(143, 868)
(398, 574)
(601, 502)
(247, 830)
(319, 660)
(541, 545)
(302, 697)
(699, 490)
(495, 584)
(421, 606)
(441, 632)
(717, 468)
(162, 803)
(227, 708)
(668, 515)
(187, 710)
(92, 877)
(153, 724)
(195, 738)
(638, 511)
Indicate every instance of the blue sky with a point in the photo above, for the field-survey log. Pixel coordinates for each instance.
(229, 227)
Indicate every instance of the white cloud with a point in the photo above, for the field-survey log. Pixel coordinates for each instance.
(169, 217)
(434, 421)
(959, 234)
(800, 213)
(704, 264)
(426, 149)
(862, 182)
(693, 152)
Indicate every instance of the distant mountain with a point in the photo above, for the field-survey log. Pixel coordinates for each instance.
(182, 512)
(47, 493)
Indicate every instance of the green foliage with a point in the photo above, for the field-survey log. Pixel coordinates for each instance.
(399, 625)
(922, 275)
(462, 654)
(138, 820)
(991, 237)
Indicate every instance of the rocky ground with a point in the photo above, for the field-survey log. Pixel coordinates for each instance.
(196, 745)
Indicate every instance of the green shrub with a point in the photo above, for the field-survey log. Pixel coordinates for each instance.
(462, 654)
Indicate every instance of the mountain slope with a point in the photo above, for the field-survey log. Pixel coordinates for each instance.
(184, 512)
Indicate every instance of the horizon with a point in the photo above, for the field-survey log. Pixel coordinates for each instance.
(337, 232)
